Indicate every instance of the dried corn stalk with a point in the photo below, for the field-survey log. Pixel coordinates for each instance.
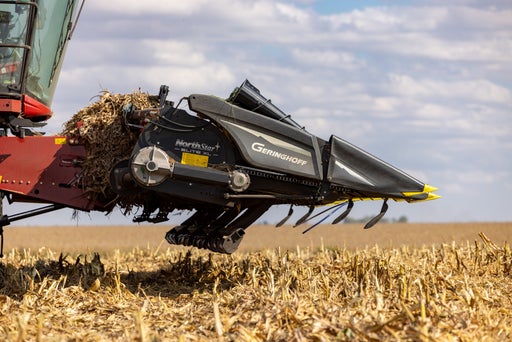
(107, 139)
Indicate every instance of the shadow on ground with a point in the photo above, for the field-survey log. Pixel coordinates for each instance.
(182, 276)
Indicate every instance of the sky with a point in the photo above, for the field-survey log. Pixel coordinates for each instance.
(423, 85)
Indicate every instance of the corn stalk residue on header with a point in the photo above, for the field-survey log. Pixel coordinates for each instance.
(107, 139)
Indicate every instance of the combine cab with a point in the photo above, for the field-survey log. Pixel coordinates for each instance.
(33, 39)
(226, 160)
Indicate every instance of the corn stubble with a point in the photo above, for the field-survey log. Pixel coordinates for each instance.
(446, 292)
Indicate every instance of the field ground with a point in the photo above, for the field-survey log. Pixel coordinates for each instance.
(351, 236)
(414, 282)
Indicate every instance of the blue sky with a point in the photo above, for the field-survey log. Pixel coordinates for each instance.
(331, 6)
(424, 85)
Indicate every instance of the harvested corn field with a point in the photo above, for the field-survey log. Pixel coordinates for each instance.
(447, 291)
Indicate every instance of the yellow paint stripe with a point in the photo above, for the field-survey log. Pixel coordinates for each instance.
(429, 188)
(432, 196)
(60, 141)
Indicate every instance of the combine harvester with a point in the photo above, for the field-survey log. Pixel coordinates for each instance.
(226, 160)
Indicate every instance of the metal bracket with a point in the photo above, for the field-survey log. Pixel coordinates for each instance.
(6, 220)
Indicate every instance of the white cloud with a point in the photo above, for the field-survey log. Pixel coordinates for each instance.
(469, 178)
(141, 8)
(389, 19)
(447, 33)
(170, 52)
(480, 90)
(293, 13)
(327, 58)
